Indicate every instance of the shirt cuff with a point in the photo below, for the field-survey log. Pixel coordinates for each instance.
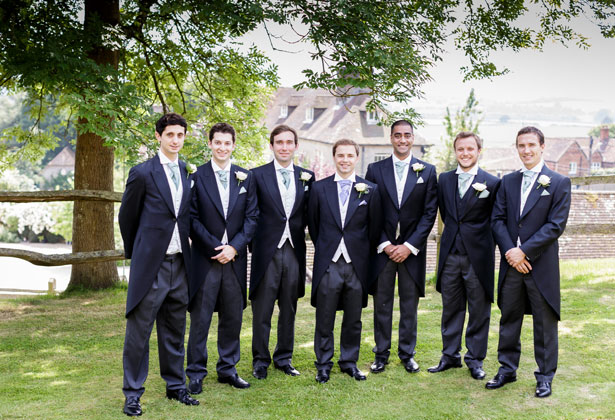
(412, 249)
(382, 246)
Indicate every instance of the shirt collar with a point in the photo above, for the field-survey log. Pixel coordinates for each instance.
(473, 170)
(277, 166)
(339, 178)
(537, 168)
(406, 160)
(164, 160)
(216, 168)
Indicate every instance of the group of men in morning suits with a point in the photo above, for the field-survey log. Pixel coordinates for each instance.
(366, 232)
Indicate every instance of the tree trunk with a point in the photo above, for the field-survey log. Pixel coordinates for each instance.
(93, 221)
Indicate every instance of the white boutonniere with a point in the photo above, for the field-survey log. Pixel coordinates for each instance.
(417, 167)
(305, 177)
(190, 168)
(479, 187)
(241, 176)
(543, 181)
(362, 188)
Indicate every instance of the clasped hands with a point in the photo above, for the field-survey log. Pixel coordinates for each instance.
(516, 258)
(227, 253)
(397, 253)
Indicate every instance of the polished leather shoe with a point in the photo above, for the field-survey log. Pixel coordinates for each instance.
(378, 366)
(322, 376)
(411, 365)
(354, 372)
(477, 373)
(132, 407)
(289, 370)
(543, 389)
(444, 365)
(260, 372)
(499, 381)
(235, 381)
(195, 386)
(182, 396)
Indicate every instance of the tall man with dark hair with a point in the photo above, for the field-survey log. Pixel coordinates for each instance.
(467, 256)
(154, 221)
(343, 218)
(530, 213)
(223, 221)
(278, 251)
(409, 206)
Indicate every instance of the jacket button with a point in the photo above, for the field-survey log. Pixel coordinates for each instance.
(175, 219)
(284, 218)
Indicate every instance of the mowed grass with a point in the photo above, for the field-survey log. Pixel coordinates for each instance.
(61, 358)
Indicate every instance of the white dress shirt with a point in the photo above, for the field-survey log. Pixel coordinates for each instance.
(341, 248)
(400, 184)
(224, 193)
(175, 245)
(288, 198)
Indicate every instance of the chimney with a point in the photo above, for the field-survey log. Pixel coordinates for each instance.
(604, 133)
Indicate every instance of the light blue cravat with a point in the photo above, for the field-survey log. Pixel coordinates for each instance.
(344, 190)
(223, 176)
(285, 177)
(463, 183)
(399, 169)
(174, 167)
(527, 180)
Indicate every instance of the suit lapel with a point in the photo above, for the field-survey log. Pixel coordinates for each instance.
(185, 185)
(234, 188)
(353, 202)
(451, 195)
(388, 173)
(271, 182)
(334, 205)
(299, 189)
(534, 195)
(211, 187)
(161, 180)
(516, 193)
(411, 180)
(471, 197)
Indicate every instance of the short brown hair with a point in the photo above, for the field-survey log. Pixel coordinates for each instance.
(221, 128)
(282, 129)
(531, 130)
(465, 134)
(345, 142)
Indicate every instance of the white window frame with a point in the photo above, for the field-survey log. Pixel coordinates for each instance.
(572, 168)
(309, 115)
(381, 156)
(596, 166)
(372, 117)
(283, 111)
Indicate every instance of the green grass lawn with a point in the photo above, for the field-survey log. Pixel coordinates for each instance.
(61, 358)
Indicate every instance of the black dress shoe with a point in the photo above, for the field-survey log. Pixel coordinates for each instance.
(182, 396)
(477, 373)
(260, 372)
(235, 381)
(289, 370)
(132, 407)
(378, 366)
(410, 365)
(543, 389)
(322, 376)
(354, 372)
(444, 365)
(499, 381)
(195, 386)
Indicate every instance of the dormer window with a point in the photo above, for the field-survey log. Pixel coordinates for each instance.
(283, 111)
(372, 117)
(309, 115)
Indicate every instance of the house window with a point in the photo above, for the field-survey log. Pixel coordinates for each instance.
(309, 115)
(573, 168)
(595, 166)
(380, 156)
(283, 111)
(372, 117)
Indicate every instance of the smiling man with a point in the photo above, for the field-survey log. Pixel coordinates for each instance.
(278, 251)
(408, 189)
(343, 218)
(154, 221)
(467, 256)
(223, 221)
(529, 215)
